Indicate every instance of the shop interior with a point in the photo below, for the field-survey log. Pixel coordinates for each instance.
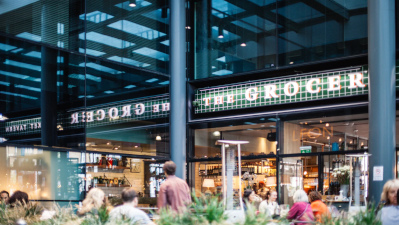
(306, 156)
(258, 164)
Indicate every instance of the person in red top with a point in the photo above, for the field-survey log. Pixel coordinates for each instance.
(301, 210)
(320, 210)
(174, 192)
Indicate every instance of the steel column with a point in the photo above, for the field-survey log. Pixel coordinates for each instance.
(178, 85)
(382, 106)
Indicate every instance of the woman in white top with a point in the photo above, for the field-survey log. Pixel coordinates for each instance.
(269, 206)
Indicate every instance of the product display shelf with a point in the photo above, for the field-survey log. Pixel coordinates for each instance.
(112, 185)
(105, 169)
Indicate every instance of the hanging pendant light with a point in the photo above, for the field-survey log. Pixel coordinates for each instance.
(133, 3)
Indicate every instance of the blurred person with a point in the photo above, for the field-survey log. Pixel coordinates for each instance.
(320, 210)
(4, 195)
(174, 192)
(301, 210)
(389, 193)
(270, 205)
(249, 197)
(129, 210)
(18, 196)
(262, 191)
(389, 213)
(94, 200)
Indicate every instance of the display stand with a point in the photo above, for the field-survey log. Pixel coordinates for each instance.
(358, 169)
(232, 202)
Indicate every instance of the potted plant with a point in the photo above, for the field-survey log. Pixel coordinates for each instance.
(342, 175)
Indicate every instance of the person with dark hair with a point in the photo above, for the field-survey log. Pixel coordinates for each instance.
(270, 205)
(319, 209)
(4, 195)
(248, 198)
(174, 192)
(18, 196)
(129, 210)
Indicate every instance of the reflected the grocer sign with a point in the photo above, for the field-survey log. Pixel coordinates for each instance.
(298, 88)
(140, 109)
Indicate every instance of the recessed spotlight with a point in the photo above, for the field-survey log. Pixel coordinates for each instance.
(132, 4)
(291, 62)
(340, 140)
(328, 138)
(327, 124)
(216, 133)
(243, 44)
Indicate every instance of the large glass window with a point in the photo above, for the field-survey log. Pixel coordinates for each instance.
(150, 141)
(43, 174)
(234, 36)
(136, 35)
(316, 30)
(56, 23)
(258, 157)
(260, 133)
(324, 134)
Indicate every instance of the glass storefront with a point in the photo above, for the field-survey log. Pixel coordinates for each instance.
(302, 150)
(258, 156)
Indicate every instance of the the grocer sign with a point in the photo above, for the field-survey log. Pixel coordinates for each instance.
(113, 113)
(289, 89)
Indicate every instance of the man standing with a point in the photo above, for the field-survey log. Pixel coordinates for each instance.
(174, 192)
(128, 209)
(4, 195)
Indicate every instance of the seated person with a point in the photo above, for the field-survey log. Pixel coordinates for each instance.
(319, 209)
(128, 209)
(18, 197)
(270, 205)
(4, 195)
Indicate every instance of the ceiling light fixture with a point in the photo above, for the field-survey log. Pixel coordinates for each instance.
(327, 124)
(220, 32)
(158, 138)
(133, 4)
(243, 44)
(216, 134)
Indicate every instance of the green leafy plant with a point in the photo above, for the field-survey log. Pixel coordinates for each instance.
(254, 218)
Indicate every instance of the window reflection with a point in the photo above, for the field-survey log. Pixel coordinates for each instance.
(44, 175)
(234, 36)
(340, 133)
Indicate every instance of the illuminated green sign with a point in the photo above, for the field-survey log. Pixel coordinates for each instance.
(306, 87)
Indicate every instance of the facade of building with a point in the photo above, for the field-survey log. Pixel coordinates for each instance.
(89, 94)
